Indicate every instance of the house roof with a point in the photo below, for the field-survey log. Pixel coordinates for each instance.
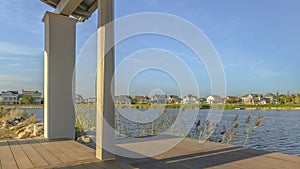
(253, 95)
(216, 96)
(12, 92)
(140, 97)
(269, 95)
(190, 96)
(174, 97)
(232, 97)
(246, 95)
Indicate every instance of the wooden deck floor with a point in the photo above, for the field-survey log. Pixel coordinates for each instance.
(189, 154)
(41, 153)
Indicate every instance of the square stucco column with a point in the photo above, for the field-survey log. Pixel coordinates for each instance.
(105, 123)
(59, 64)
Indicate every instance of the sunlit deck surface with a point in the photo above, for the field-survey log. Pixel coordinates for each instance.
(41, 153)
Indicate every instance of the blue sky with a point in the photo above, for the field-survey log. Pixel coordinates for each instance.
(258, 43)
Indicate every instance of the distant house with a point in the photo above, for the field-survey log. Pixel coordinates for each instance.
(190, 99)
(140, 100)
(251, 99)
(263, 101)
(159, 99)
(36, 95)
(247, 99)
(202, 100)
(1, 99)
(269, 98)
(79, 99)
(123, 100)
(214, 99)
(174, 99)
(232, 99)
(91, 100)
(258, 98)
(10, 97)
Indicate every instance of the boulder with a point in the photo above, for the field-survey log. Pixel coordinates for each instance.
(84, 139)
(23, 135)
(32, 130)
(21, 130)
(38, 129)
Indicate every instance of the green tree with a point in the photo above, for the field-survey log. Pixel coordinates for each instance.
(277, 97)
(297, 98)
(133, 101)
(27, 100)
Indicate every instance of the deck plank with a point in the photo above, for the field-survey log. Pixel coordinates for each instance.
(93, 165)
(81, 166)
(55, 151)
(33, 155)
(74, 151)
(67, 154)
(6, 156)
(123, 165)
(44, 153)
(21, 157)
(108, 165)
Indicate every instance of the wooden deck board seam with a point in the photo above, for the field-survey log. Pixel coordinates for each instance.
(37, 152)
(50, 145)
(40, 153)
(49, 151)
(12, 154)
(25, 153)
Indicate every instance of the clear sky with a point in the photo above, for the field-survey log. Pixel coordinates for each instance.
(258, 43)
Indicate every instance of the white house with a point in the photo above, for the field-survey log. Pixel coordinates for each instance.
(247, 99)
(10, 97)
(91, 100)
(123, 100)
(252, 99)
(79, 99)
(269, 98)
(159, 99)
(1, 99)
(190, 99)
(36, 95)
(214, 99)
(174, 99)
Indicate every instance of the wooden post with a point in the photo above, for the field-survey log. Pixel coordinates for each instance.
(59, 64)
(105, 106)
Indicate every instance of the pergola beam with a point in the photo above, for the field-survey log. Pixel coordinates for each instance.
(67, 7)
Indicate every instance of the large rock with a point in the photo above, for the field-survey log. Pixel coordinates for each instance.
(83, 139)
(32, 130)
(23, 135)
(38, 129)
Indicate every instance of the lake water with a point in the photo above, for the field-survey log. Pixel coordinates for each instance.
(279, 130)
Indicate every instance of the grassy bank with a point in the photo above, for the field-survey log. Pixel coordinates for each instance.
(216, 106)
(177, 106)
(10, 114)
(24, 106)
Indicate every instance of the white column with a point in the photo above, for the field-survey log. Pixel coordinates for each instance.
(59, 64)
(105, 105)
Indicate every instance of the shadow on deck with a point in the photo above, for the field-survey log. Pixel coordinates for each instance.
(41, 153)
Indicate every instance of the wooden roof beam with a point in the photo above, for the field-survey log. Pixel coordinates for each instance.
(67, 7)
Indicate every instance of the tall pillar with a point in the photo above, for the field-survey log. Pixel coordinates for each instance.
(59, 64)
(105, 105)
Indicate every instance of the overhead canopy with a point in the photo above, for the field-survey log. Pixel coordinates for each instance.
(79, 9)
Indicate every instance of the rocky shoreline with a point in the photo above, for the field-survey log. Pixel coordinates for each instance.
(16, 124)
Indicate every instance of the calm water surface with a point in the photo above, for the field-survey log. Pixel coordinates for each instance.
(279, 130)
